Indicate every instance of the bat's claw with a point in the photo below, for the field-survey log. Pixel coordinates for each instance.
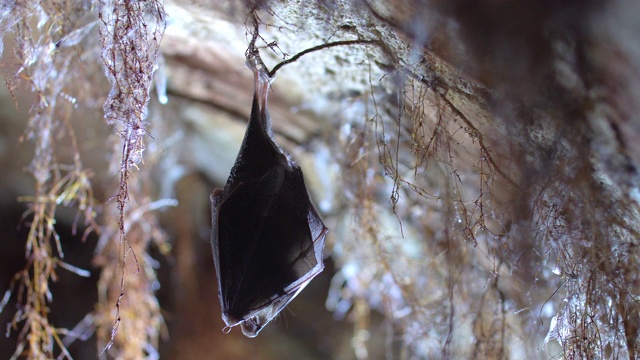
(254, 63)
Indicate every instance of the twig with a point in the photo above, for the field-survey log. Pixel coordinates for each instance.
(252, 50)
(297, 56)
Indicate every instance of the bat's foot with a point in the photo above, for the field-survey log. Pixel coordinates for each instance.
(262, 83)
(255, 64)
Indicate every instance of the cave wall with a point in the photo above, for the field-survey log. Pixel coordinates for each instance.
(475, 163)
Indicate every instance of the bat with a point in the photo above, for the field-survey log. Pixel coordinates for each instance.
(267, 237)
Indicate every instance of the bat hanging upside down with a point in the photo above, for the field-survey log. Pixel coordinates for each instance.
(267, 237)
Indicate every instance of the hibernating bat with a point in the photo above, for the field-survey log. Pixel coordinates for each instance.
(267, 237)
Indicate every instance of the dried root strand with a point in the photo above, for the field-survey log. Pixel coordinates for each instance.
(130, 33)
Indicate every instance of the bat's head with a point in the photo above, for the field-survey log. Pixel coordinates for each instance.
(252, 326)
(252, 321)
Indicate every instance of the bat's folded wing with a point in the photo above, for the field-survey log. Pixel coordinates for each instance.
(269, 242)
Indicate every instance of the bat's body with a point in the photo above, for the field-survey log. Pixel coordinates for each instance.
(267, 237)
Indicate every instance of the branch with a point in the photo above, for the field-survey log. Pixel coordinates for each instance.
(297, 56)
